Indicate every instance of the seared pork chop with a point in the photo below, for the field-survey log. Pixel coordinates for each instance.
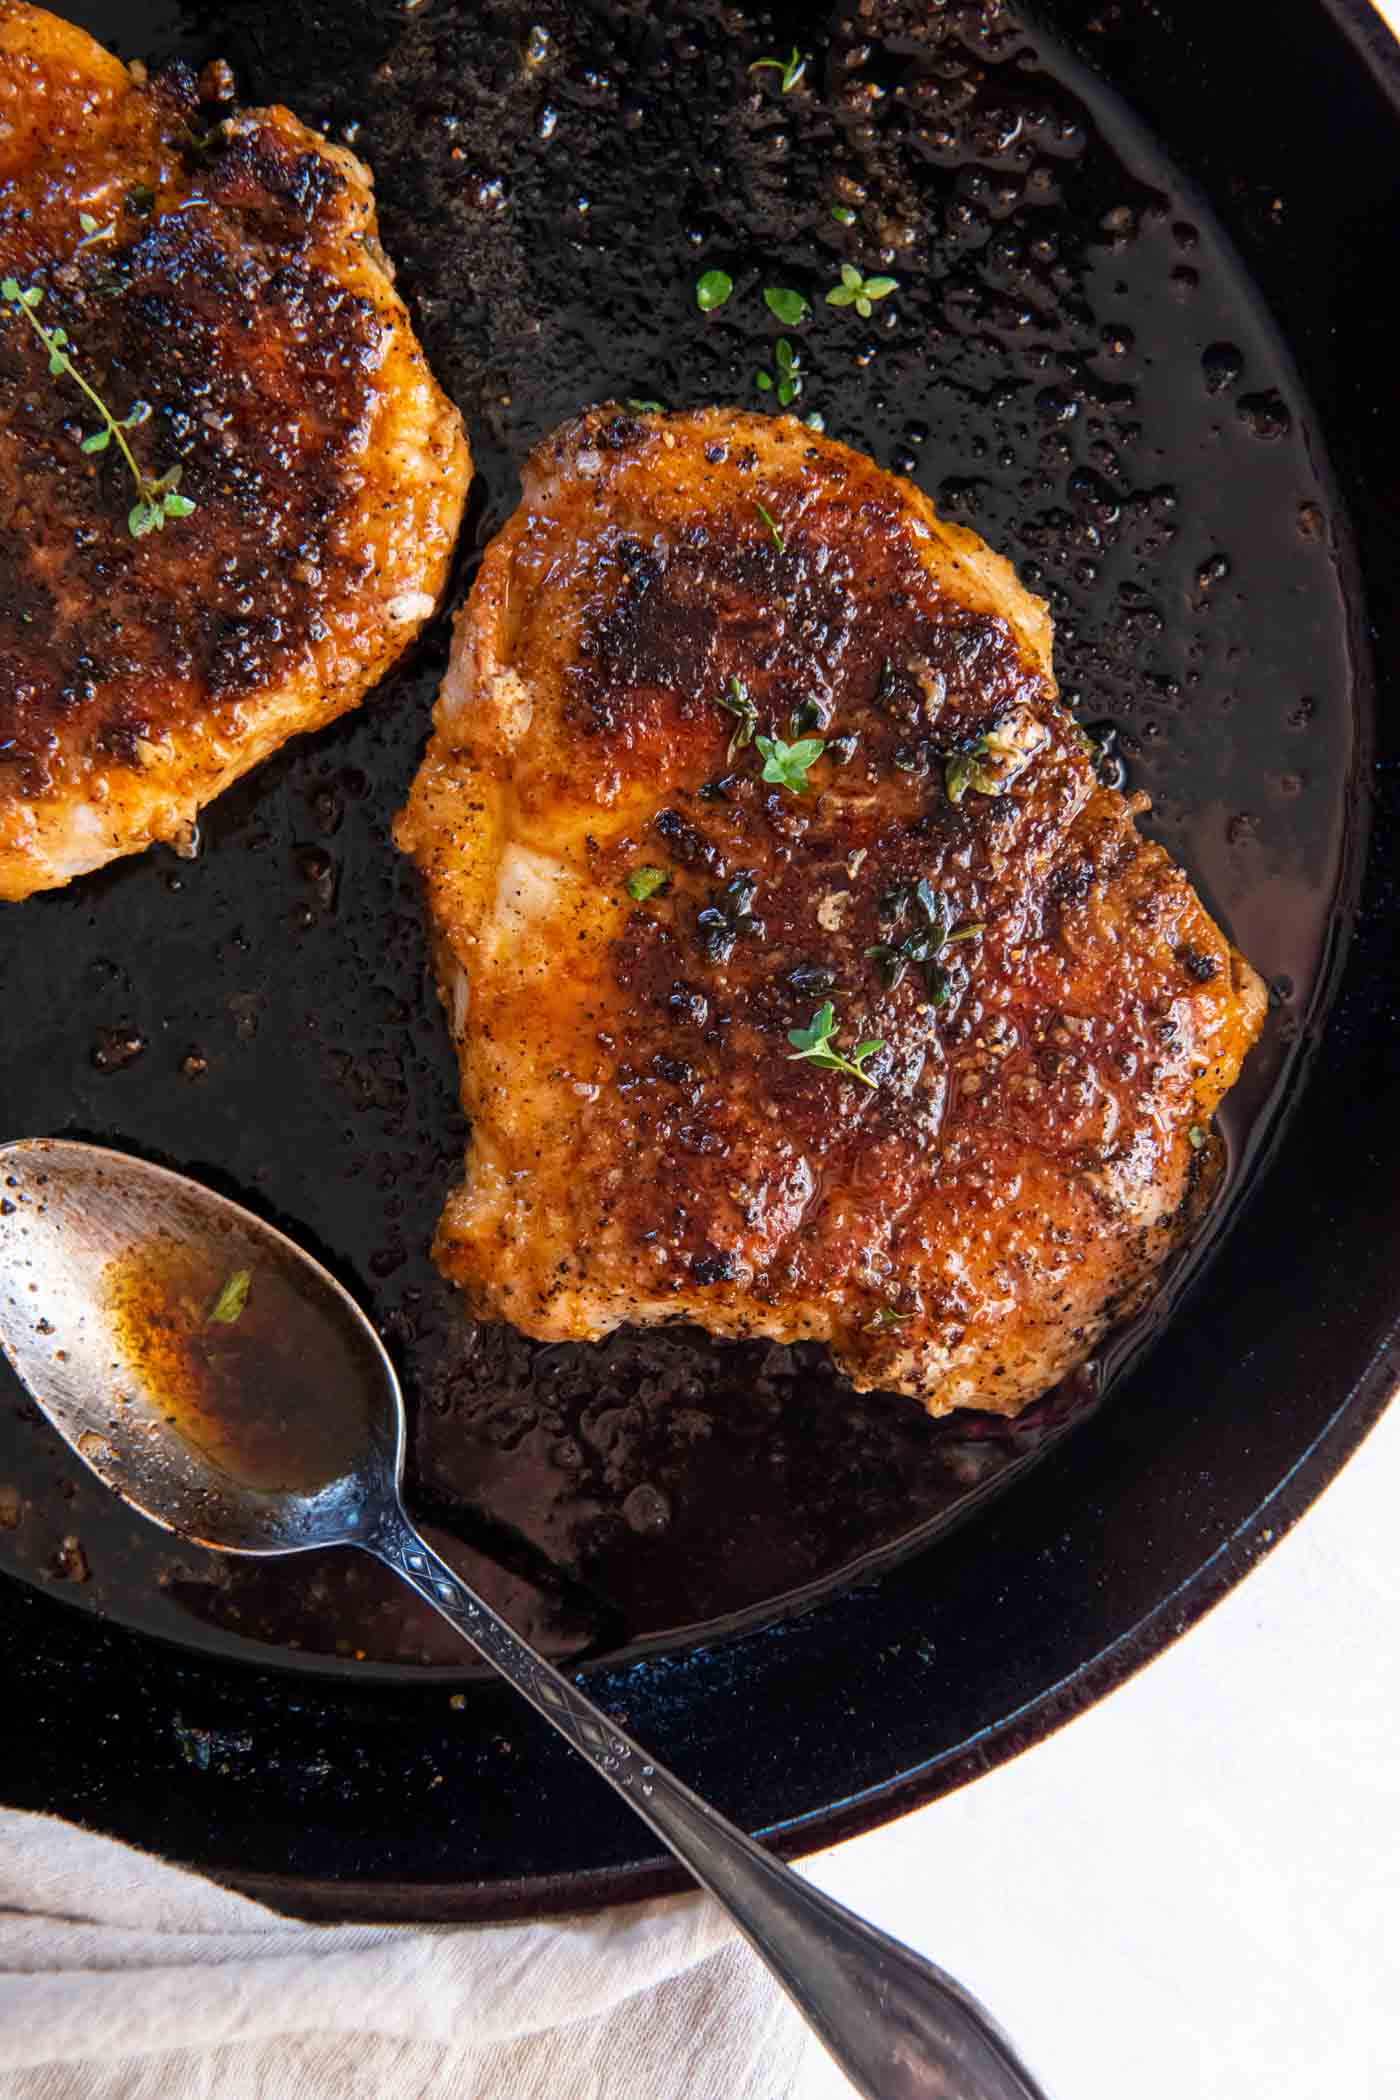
(235, 286)
(667, 938)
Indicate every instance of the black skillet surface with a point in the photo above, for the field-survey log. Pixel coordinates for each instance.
(1077, 363)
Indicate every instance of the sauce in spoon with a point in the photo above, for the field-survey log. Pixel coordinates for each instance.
(239, 1361)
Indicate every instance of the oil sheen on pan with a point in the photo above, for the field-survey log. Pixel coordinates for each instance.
(1071, 364)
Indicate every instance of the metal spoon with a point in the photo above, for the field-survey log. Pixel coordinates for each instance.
(71, 1215)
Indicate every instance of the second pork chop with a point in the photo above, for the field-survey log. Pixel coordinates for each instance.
(806, 982)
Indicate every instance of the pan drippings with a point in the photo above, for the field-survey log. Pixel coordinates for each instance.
(1073, 362)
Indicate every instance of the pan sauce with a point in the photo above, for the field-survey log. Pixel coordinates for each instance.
(1074, 364)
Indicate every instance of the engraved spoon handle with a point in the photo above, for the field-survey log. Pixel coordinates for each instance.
(899, 2028)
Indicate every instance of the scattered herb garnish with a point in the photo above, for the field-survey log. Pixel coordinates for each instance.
(808, 714)
(815, 420)
(817, 1045)
(229, 1304)
(645, 882)
(648, 407)
(965, 770)
(925, 943)
(884, 1318)
(857, 291)
(1197, 1137)
(785, 765)
(728, 916)
(201, 144)
(773, 526)
(156, 499)
(92, 232)
(789, 378)
(735, 701)
(712, 290)
(843, 215)
(792, 68)
(789, 307)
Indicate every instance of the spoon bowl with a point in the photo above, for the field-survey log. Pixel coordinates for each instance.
(94, 1245)
(220, 1381)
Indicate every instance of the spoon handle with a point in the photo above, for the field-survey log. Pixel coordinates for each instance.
(899, 2028)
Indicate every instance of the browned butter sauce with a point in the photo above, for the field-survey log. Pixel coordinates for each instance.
(271, 1394)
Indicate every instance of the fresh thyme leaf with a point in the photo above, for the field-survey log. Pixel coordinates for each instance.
(858, 291)
(648, 407)
(785, 765)
(843, 215)
(645, 882)
(821, 1026)
(712, 290)
(773, 526)
(924, 943)
(957, 776)
(786, 306)
(816, 1044)
(792, 68)
(155, 501)
(92, 232)
(735, 701)
(229, 1304)
(201, 144)
(815, 420)
(789, 377)
(729, 916)
(965, 770)
(884, 1319)
(1197, 1136)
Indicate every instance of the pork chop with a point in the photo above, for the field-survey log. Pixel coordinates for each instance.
(231, 284)
(805, 980)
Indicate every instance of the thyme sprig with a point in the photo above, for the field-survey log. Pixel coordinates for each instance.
(774, 528)
(816, 1044)
(645, 882)
(729, 917)
(925, 943)
(885, 1319)
(785, 765)
(791, 68)
(735, 701)
(229, 1304)
(93, 233)
(787, 378)
(157, 498)
(857, 290)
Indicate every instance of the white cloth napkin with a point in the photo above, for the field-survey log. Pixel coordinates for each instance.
(1190, 1894)
(121, 1976)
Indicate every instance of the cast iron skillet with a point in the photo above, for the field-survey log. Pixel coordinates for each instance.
(1159, 375)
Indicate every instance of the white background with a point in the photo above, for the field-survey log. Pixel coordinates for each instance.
(1192, 1893)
